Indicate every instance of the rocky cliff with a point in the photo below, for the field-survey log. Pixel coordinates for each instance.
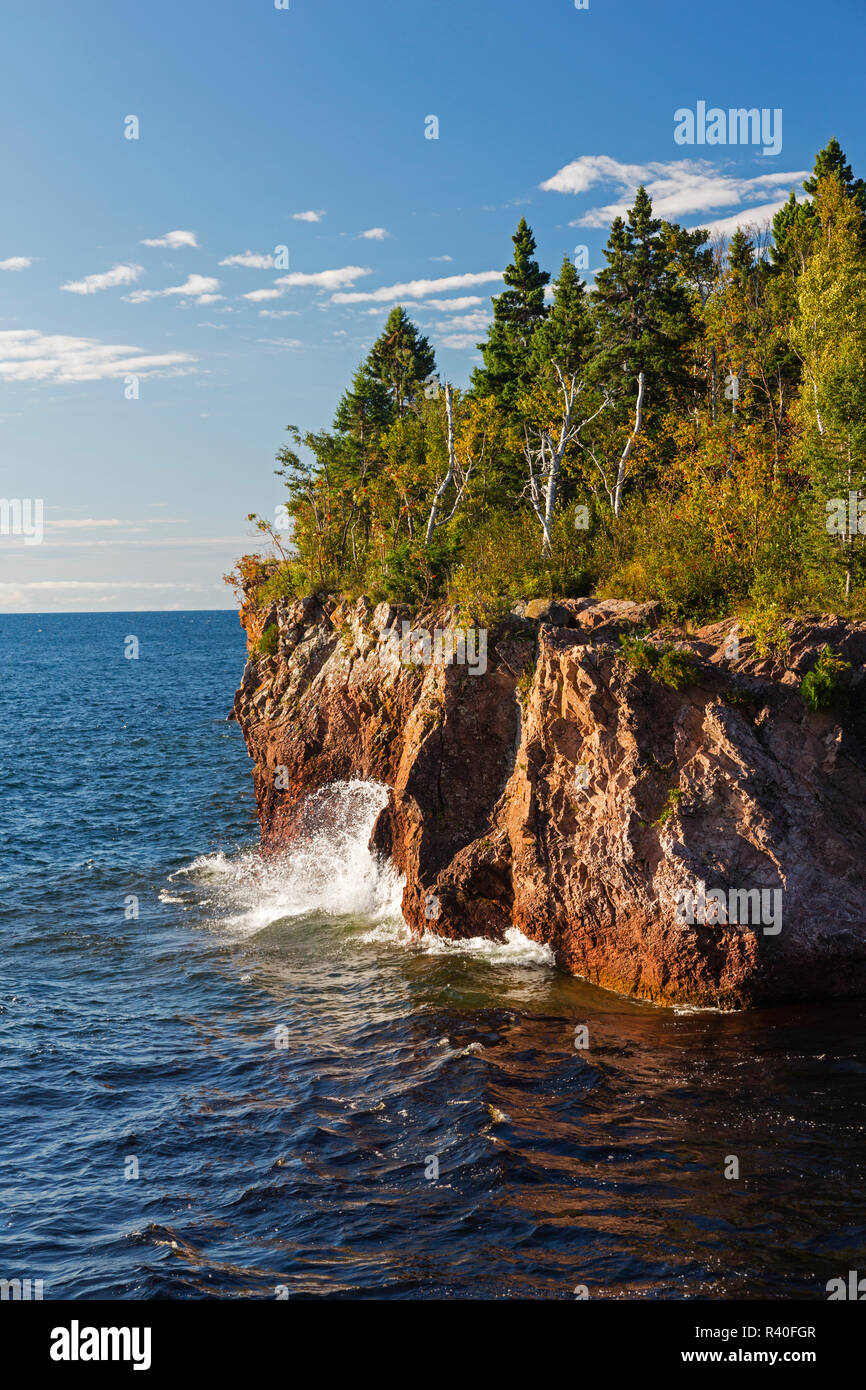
(684, 831)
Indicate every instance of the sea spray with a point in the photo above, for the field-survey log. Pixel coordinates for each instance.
(327, 871)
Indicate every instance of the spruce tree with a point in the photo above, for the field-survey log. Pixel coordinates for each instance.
(644, 317)
(517, 312)
(565, 335)
(401, 360)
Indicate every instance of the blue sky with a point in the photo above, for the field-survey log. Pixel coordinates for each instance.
(305, 128)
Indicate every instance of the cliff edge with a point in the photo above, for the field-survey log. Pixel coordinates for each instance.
(667, 815)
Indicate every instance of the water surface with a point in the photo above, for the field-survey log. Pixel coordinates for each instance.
(283, 1065)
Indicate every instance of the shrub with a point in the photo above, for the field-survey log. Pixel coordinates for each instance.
(667, 664)
(267, 643)
(822, 687)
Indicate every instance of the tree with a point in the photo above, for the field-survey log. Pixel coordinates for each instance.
(401, 360)
(644, 321)
(457, 475)
(517, 312)
(565, 335)
(829, 336)
(545, 449)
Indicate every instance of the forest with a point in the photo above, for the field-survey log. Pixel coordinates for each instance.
(689, 429)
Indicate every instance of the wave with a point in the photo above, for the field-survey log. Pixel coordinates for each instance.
(329, 871)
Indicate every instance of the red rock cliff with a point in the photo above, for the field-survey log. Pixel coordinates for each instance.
(583, 801)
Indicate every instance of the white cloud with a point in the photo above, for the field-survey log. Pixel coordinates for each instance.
(468, 323)
(317, 279)
(198, 287)
(419, 289)
(28, 355)
(16, 263)
(91, 584)
(174, 240)
(325, 279)
(281, 342)
(308, 216)
(279, 313)
(459, 341)
(106, 280)
(374, 234)
(468, 301)
(254, 259)
(678, 188)
(442, 258)
(758, 217)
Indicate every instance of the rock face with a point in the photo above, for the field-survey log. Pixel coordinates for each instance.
(702, 844)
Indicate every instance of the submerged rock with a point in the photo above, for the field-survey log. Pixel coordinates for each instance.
(701, 844)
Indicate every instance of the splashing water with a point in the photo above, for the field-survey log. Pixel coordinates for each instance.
(329, 871)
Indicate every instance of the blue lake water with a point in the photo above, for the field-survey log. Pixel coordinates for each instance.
(285, 1071)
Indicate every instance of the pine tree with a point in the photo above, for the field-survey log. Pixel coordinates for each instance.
(517, 312)
(831, 160)
(366, 407)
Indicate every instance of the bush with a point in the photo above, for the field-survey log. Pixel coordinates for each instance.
(502, 562)
(267, 643)
(667, 664)
(822, 687)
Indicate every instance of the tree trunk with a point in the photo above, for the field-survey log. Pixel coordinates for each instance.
(638, 421)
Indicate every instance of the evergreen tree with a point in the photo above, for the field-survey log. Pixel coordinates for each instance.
(565, 335)
(366, 408)
(794, 225)
(831, 160)
(401, 360)
(644, 316)
(517, 312)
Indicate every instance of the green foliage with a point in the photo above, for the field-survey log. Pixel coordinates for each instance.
(822, 687)
(517, 312)
(267, 643)
(667, 664)
(765, 623)
(501, 562)
(672, 800)
(753, 420)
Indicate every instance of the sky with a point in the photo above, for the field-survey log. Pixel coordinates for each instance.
(209, 207)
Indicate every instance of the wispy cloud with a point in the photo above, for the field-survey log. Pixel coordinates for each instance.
(279, 313)
(16, 263)
(28, 355)
(285, 343)
(201, 288)
(174, 240)
(308, 216)
(105, 280)
(316, 279)
(442, 258)
(418, 289)
(254, 259)
(467, 323)
(467, 301)
(375, 234)
(678, 188)
(758, 217)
